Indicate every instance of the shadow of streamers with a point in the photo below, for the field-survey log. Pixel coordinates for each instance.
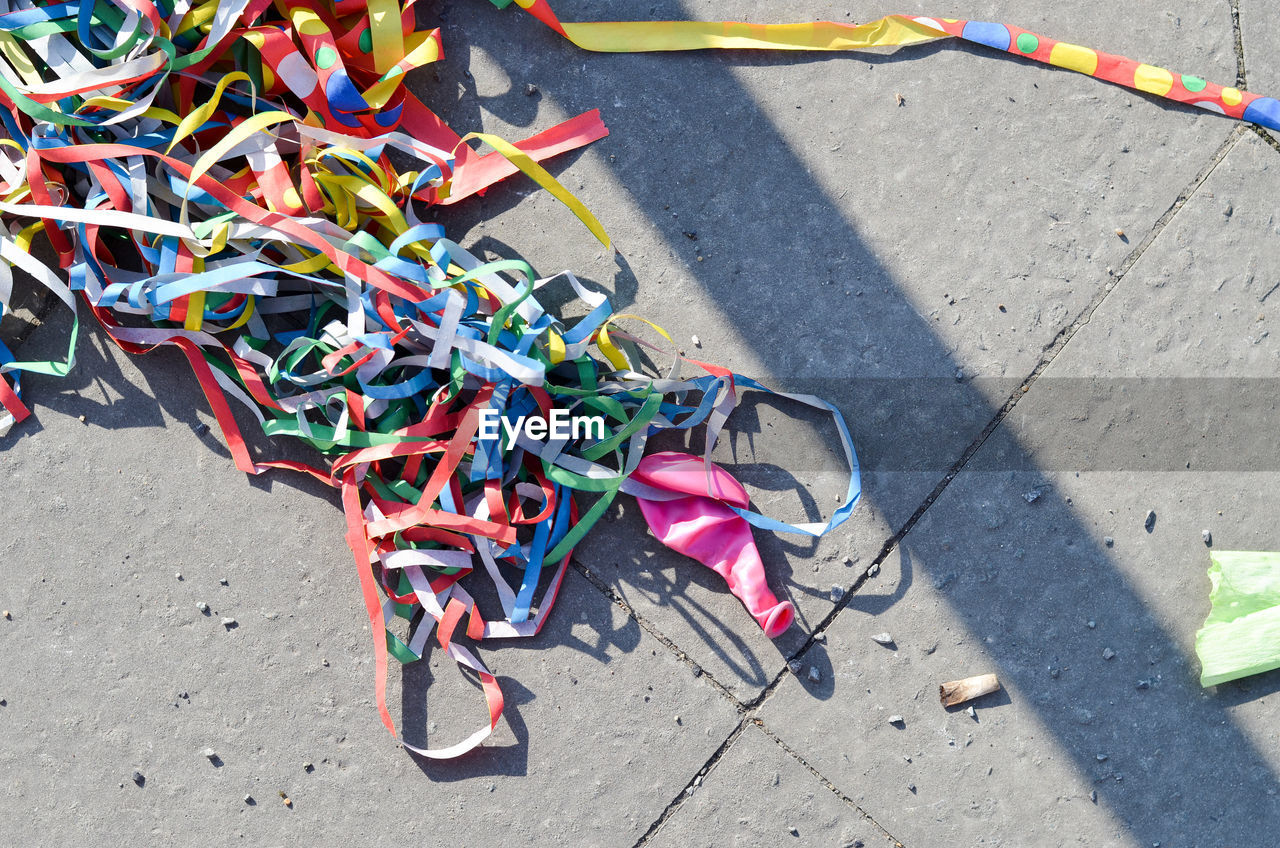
(573, 654)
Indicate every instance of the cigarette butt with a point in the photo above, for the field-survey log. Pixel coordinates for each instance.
(958, 691)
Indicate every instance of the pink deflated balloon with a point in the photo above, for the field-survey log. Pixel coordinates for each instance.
(698, 523)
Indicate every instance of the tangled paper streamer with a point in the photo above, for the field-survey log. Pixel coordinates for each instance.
(218, 177)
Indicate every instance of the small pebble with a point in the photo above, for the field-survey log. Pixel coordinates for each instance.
(959, 375)
(1054, 671)
(1107, 653)
(530, 89)
(83, 419)
(202, 606)
(1108, 541)
(882, 639)
(1207, 536)
(1119, 232)
(248, 799)
(177, 575)
(814, 674)
(899, 99)
(8, 616)
(1092, 624)
(1150, 521)
(677, 719)
(697, 342)
(897, 719)
(796, 667)
(325, 663)
(4, 702)
(201, 428)
(1144, 684)
(820, 637)
(209, 754)
(223, 581)
(308, 767)
(911, 787)
(229, 622)
(793, 831)
(139, 778)
(1102, 758)
(837, 593)
(972, 712)
(1031, 496)
(873, 570)
(1093, 795)
(288, 802)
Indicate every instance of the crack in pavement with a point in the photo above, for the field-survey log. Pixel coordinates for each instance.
(1242, 81)
(831, 787)
(1051, 352)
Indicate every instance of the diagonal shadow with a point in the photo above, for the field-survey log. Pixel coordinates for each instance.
(697, 142)
(941, 412)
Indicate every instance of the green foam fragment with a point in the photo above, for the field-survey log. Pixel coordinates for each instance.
(1241, 636)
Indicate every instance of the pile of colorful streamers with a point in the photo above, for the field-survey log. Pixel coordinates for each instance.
(218, 176)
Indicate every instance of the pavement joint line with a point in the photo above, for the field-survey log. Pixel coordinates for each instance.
(1267, 137)
(695, 668)
(831, 787)
(1051, 351)
(687, 791)
(749, 708)
(1064, 336)
(1242, 81)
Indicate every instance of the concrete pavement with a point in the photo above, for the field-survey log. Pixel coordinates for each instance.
(919, 265)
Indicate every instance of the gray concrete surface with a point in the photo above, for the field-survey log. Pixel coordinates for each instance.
(846, 246)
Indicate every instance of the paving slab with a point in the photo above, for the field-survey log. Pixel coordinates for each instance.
(812, 232)
(1084, 606)
(758, 794)
(111, 667)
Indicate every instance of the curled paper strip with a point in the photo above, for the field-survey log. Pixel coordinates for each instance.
(900, 31)
(219, 177)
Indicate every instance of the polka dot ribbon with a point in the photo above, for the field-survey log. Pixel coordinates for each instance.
(900, 30)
